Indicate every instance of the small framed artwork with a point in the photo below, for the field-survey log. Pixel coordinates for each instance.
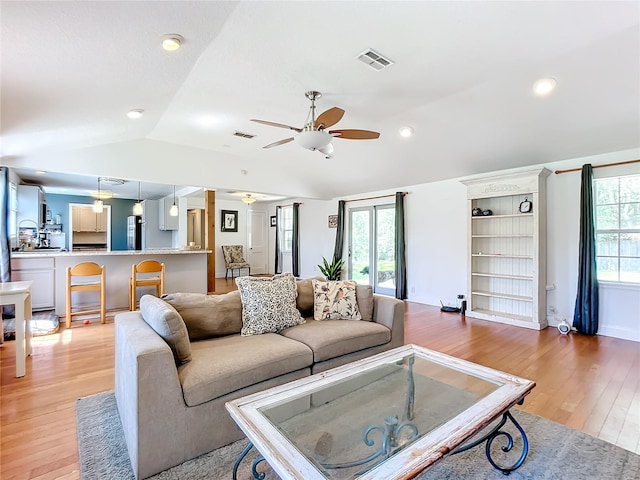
(274, 222)
(228, 220)
(333, 221)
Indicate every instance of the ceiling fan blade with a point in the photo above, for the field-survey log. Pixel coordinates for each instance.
(352, 134)
(273, 124)
(279, 142)
(330, 117)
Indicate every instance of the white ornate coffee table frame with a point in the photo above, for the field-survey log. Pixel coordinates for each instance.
(289, 463)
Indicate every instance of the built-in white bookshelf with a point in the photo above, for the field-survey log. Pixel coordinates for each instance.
(507, 249)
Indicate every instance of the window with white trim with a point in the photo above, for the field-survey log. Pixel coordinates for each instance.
(285, 224)
(617, 218)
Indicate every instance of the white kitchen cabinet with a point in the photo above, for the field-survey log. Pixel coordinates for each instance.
(31, 205)
(507, 249)
(166, 221)
(86, 220)
(41, 272)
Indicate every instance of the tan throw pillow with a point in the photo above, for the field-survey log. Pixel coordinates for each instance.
(208, 316)
(304, 301)
(364, 297)
(167, 322)
(335, 300)
(268, 303)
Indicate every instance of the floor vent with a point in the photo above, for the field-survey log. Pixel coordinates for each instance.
(374, 60)
(244, 135)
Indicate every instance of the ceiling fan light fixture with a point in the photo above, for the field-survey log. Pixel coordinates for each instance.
(327, 151)
(313, 139)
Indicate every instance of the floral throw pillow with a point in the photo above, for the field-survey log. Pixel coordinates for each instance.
(268, 304)
(335, 300)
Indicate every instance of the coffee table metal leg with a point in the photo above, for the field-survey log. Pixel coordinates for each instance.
(254, 471)
(493, 435)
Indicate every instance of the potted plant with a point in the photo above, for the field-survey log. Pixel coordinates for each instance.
(333, 270)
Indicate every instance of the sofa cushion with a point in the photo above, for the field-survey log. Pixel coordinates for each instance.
(332, 338)
(208, 316)
(335, 300)
(268, 303)
(168, 324)
(364, 297)
(224, 365)
(304, 300)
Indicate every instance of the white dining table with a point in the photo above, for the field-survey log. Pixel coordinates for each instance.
(19, 294)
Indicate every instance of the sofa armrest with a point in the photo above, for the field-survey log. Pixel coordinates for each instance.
(148, 394)
(389, 311)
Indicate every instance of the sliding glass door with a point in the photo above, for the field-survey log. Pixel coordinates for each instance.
(371, 247)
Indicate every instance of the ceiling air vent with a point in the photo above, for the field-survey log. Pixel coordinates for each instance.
(374, 59)
(244, 135)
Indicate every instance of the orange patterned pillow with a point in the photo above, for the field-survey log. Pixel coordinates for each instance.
(335, 300)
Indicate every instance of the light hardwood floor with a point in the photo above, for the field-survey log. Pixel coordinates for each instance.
(587, 383)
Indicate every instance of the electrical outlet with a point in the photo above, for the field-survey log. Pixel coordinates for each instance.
(413, 289)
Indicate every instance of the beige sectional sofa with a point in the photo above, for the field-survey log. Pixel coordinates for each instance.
(173, 412)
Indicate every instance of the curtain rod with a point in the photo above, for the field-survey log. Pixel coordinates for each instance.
(373, 198)
(597, 166)
(289, 205)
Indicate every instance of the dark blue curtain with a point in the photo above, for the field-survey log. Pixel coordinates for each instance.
(5, 245)
(400, 257)
(585, 314)
(337, 249)
(295, 245)
(278, 227)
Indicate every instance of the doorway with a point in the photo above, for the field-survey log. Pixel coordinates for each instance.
(372, 247)
(89, 230)
(257, 241)
(195, 227)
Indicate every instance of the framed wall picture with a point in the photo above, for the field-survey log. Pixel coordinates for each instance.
(333, 221)
(228, 220)
(274, 222)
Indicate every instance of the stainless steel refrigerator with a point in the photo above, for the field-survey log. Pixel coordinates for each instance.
(134, 232)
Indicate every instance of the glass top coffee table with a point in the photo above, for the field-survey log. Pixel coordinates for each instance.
(388, 416)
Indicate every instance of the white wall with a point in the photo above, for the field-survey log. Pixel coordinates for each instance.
(436, 229)
(316, 238)
(222, 238)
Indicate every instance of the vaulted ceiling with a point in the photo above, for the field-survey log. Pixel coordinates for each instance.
(461, 78)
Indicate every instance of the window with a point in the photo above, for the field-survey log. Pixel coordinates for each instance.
(372, 247)
(286, 229)
(617, 216)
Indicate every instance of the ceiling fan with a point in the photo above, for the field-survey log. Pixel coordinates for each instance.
(314, 135)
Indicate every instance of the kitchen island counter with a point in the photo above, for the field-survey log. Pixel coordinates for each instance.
(185, 271)
(98, 253)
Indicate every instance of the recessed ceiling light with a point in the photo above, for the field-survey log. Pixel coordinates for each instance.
(172, 42)
(406, 131)
(544, 86)
(135, 114)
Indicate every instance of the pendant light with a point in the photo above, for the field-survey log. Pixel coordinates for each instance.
(248, 199)
(137, 207)
(173, 211)
(98, 205)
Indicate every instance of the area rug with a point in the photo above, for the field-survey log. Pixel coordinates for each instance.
(556, 453)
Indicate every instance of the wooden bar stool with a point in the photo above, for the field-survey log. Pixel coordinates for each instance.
(86, 269)
(146, 267)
